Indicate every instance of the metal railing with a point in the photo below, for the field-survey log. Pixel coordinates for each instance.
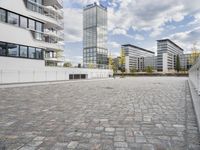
(48, 37)
(194, 75)
(44, 10)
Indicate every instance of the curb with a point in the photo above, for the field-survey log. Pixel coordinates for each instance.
(196, 102)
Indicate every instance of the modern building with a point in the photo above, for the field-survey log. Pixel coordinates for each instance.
(132, 53)
(144, 62)
(166, 55)
(95, 52)
(185, 61)
(32, 30)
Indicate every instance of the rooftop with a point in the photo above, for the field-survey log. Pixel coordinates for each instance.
(130, 45)
(163, 40)
(95, 5)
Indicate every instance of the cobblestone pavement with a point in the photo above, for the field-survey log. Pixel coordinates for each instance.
(141, 113)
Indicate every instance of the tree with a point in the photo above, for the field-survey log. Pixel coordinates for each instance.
(133, 70)
(194, 55)
(110, 62)
(149, 69)
(177, 63)
(122, 62)
(67, 64)
(90, 65)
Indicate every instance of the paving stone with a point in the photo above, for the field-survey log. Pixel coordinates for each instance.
(133, 113)
(110, 129)
(72, 144)
(120, 144)
(119, 138)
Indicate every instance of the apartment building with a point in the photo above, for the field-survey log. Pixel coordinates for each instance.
(32, 32)
(95, 52)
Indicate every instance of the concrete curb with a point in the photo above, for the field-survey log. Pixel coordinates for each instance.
(25, 84)
(196, 102)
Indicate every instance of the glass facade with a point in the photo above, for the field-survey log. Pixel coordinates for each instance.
(23, 22)
(16, 50)
(38, 53)
(95, 51)
(23, 51)
(13, 50)
(31, 52)
(2, 15)
(13, 19)
(3, 49)
(31, 24)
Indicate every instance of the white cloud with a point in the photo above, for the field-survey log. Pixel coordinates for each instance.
(118, 31)
(138, 37)
(73, 25)
(186, 39)
(156, 32)
(149, 15)
(114, 44)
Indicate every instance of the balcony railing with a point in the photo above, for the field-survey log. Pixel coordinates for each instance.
(45, 10)
(49, 37)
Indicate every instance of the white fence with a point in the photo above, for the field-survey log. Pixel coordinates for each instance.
(194, 76)
(49, 74)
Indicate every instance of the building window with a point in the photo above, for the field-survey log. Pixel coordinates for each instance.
(3, 49)
(13, 50)
(23, 22)
(39, 2)
(23, 51)
(39, 53)
(31, 24)
(39, 27)
(13, 19)
(31, 52)
(2, 15)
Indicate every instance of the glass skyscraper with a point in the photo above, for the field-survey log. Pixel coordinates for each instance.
(95, 52)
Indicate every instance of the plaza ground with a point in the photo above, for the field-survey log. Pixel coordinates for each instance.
(139, 113)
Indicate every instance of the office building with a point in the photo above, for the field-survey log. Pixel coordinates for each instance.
(32, 31)
(132, 53)
(95, 52)
(144, 62)
(166, 55)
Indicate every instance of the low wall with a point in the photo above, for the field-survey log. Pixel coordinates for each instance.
(48, 74)
(194, 82)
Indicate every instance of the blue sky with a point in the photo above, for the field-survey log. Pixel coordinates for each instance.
(138, 22)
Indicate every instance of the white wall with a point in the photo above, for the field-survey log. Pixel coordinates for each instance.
(19, 70)
(127, 64)
(48, 74)
(165, 64)
(11, 63)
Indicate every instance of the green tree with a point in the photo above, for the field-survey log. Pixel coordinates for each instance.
(177, 63)
(67, 64)
(122, 62)
(149, 69)
(194, 55)
(110, 62)
(133, 70)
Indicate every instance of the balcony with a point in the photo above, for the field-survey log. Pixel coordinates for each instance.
(47, 41)
(48, 36)
(54, 56)
(58, 3)
(48, 11)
